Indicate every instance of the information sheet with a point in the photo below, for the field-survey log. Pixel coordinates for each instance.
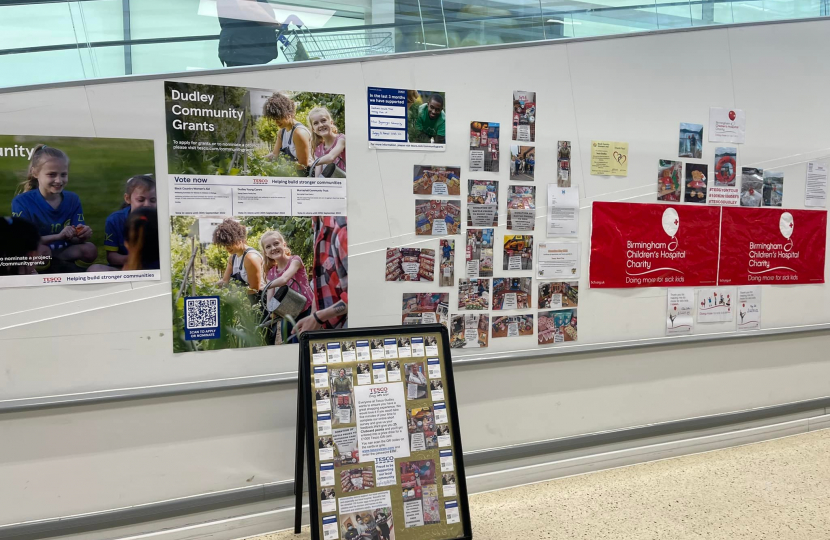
(816, 193)
(563, 211)
(679, 310)
(727, 125)
(609, 158)
(749, 308)
(558, 260)
(715, 304)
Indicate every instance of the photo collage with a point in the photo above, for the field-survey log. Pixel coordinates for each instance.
(725, 185)
(382, 498)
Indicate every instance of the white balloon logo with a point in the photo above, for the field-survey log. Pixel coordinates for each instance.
(671, 222)
(786, 225)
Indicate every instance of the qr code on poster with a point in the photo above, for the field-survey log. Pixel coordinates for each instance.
(202, 313)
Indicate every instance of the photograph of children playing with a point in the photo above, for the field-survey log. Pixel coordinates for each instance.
(275, 277)
(75, 205)
(274, 133)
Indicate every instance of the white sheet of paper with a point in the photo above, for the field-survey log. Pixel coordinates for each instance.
(563, 211)
(522, 220)
(451, 511)
(418, 442)
(434, 368)
(330, 526)
(472, 268)
(333, 350)
(679, 309)
(440, 188)
(390, 347)
(513, 329)
(417, 347)
(321, 377)
(446, 460)
(715, 304)
(482, 215)
(413, 513)
(439, 227)
(381, 421)
(327, 474)
(510, 301)
(326, 454)
(558, 261)
(514, 262)
(330, 505)
(727, 125)
(449, 490)
(440, 410)
(379, 372)
(815, 194)
(476, 160)
(749, 308)
(364, 378)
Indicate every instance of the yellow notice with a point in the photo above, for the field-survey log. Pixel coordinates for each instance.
(609, 158)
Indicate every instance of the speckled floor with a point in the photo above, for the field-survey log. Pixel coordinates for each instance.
(771, 490)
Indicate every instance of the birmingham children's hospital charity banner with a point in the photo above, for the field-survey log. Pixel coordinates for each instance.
(258, 230)
(76, 211)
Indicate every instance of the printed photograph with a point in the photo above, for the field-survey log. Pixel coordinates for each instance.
(416, 380)
(415, 475)
(327, 494)
(410, 264)
(691, 140)
(435, 180)
(431, 341)
(752, 186)
(376, 344)
(425, 308)
(393, 365)
(511, 293)
(318, 348)
(484, 146)
(557, 326)
(372, 524)
(436, 385)
(342, 398)
(512, 326)
(469, 331)
(563, 164)
(420, 491)
(521, 208)
(448, 479)
(422, 431)
(437, 218)
(474, 294)
(518, 252)
(480, 252)
(325, 442)
(524, 116)
(426, 117)
(482, 203)
(773, 188)
(696, 183)
(345, 446)
(447, 275)
(357, 479)
(726, 166)
(558, 294)
(522, 160)
(363, 368)
(77, 206)
(669, 175)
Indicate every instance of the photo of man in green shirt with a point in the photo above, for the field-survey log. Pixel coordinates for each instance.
(429, 124)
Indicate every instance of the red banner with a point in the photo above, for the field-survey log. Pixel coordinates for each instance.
(653, 245)
(772, 246)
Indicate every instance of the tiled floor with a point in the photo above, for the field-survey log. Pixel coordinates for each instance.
(772, 490)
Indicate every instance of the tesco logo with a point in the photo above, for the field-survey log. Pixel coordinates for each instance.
(52, 280)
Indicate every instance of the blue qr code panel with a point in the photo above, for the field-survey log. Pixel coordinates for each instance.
(201, 317)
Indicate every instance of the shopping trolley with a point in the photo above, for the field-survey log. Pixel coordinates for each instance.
(298, 43)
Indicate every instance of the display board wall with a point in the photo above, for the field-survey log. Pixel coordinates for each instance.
(638, 89)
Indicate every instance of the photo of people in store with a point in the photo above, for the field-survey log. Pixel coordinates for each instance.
(518, 252)
(669, 174)
(557, 326)
(480, 252)
(425, 308)
(691, 140)
(357, 479)
(512, 326)
(522, 162)
(469, 331)
(773, 188)
(86, 205)
(410, 264)
(521, 208)
(484, 146)
(426, 118)
(482, 203)
(558, 294)
(524, 116)
(447, 272)
(563, 164)
(436, 180)
(372, 524)
(416, 380)
(474, 294)
(696, 183)
(511, 293)
(342, 399)
(752, 186)
(422, 430)
(437, 218)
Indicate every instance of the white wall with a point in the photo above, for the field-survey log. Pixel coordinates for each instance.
(635, 89)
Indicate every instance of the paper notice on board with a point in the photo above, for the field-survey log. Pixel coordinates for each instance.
(558, 261)
(514, 262)
(329, 526)
(413, 513)
(609, 158)
(385, 471)
(749, 308)
(362, 503)
(563, 211)
(715, 304)
(816, 192)
(476, 160)
(679, 309)
(727, 125)
(381, 421)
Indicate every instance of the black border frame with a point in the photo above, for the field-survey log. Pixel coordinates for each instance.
(305, 414)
